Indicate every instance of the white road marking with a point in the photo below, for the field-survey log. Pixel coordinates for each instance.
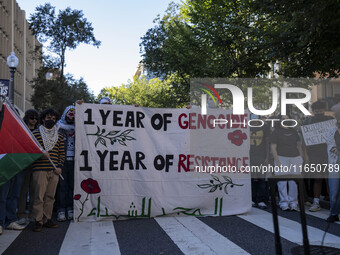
(7, 237)
(289, 229)
(322, 214)
(90, 238)
(192, 236)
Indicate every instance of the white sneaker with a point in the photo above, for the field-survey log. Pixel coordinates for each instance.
(262, 205)
(284, 208)
(61, 216)
(0, 230)
(15, 226)
(253, 204)
(294, 208)
(315, 207)
(70, 214)
(22, 221)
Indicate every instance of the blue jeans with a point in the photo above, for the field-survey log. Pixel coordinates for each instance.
(9, 195)
(334, 190)
(258, 190)
(64, 195)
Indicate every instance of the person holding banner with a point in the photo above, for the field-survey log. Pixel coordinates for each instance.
(10, 192)
(288, 156)
(333, 148)
(45, 176)
(259, 155)
(64, 196)
(317, 153)
(31, 119)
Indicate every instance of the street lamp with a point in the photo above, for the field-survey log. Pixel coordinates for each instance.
(12, 62)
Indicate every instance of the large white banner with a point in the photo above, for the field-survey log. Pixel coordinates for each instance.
(135, 162)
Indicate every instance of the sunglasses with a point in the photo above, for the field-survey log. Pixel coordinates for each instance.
(33, 118)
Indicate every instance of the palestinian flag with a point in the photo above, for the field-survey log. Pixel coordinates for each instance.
(18, 148)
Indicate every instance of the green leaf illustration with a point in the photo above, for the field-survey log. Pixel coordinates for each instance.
(215, 178)
(98, 130)
(113, 132)
(112, 136)
(219, 185)
(204, 186)
(226, 189)
(126, 132)
(121, 142)
(102, 141)
(227, 178)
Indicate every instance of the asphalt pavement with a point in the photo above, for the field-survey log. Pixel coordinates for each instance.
(250, 233)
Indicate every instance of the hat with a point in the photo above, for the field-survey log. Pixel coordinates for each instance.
(105, 100)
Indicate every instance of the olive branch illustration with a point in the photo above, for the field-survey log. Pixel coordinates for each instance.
(112, 136)
(215, 184)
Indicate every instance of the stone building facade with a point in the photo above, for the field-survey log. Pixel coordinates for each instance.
(16, 36)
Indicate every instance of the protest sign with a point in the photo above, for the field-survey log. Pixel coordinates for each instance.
(315, 133)
(4, 87)
(135, 162)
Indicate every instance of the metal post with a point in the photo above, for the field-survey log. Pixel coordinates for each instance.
(300, 184)
(278, 246)
(11, 90)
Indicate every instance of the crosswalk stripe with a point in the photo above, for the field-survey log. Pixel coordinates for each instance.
(213, 239)
(186, 241)
(322, 214)
(191, 235)
(90, 238)
(289, 229)
(194, 237)
(7, 237)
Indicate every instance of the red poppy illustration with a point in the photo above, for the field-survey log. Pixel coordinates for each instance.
(77, 197)
(90, 186)
(237, 137)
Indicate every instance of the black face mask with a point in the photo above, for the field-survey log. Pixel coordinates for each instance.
(49, 124)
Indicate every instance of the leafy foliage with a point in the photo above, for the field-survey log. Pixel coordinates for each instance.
(64, 31)
(149, 93)
(52, 93)
(203, 38)
(303, 35)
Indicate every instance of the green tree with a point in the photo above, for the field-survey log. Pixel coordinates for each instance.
(204, 39)
(52, 93)
(243, 39)
(64, 31)
(155, 93)
(302, 35)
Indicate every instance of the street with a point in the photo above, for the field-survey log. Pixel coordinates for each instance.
(250, 233)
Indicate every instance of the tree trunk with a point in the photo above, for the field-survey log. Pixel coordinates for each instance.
(62, 63)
